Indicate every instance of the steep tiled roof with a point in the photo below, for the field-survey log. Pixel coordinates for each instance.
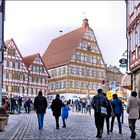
(62, 48)
(28, 60)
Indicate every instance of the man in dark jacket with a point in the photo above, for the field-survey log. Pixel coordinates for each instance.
(99, 101)
(40, 105)
(56, 109)
(19, 103)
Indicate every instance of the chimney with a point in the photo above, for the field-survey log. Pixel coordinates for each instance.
(85, 23)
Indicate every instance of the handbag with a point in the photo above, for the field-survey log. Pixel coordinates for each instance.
(102, 109)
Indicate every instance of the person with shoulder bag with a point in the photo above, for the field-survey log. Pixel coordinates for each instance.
(99, 104)
(133, 110)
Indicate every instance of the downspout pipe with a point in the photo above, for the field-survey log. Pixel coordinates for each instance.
(127, 36)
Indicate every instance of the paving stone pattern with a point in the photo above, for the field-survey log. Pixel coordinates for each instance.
(79, 126)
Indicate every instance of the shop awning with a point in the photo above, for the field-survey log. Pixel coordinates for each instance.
(126, 82)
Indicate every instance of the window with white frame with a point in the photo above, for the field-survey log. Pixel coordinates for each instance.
(59, 71)
(51, 86)
(94, 59)
(136, 52)
(89, 59)
(77, 71)
(82, 57)
(131, 7)
(56, 85)
(64, 70)
(133, 41)
(138, 35)
(72, 84)
(5, 63)
(77, 84)
(64, 84)
(10, 64)
(82, 71)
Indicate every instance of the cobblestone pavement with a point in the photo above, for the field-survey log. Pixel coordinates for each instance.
(79, 126)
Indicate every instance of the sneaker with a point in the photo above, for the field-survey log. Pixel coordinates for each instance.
(63, 126)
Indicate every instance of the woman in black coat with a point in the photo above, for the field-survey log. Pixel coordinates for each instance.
(56, 109)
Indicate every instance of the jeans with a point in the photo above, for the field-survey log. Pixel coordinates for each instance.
(64, 123)
(107, 123)
(119, 123)
(57, 121)
(40, 120)
(19, 108)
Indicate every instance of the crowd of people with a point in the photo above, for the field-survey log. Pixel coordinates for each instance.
(104, 110)
(16, 104)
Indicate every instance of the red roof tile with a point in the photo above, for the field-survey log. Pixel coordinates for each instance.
(62, 48)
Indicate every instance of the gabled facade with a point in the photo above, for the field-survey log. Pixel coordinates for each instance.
(15, 73)
(114, 75)
(75, 63)
(133, 39)
(37, 75)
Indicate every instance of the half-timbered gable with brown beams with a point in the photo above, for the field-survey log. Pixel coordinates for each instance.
(37, 76)
(15, 73)
(75, 63)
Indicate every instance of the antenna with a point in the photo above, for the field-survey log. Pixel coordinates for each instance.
(84, 15)
(60, 32)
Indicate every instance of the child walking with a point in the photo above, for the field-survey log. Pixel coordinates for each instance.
(64, 113)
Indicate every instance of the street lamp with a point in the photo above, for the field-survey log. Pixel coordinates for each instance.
(2, 46)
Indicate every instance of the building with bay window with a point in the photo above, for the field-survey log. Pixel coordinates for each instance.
(75, 63)
(133, 41)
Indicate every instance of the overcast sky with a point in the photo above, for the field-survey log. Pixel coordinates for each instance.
(33, 24)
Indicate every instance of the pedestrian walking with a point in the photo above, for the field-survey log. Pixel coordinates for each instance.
(109, 114)
(40, 105)
(64, 113)
(12, 104)
(133, 109)
(19, 101)
(28, 105)
(99, 103)
(56, 109)
(118, 109)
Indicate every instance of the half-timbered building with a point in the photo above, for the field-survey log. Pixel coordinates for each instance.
(75, 63)
(37, 75)
(15, 73)
(133, 41)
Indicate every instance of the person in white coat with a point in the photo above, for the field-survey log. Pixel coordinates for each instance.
(133, 109)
